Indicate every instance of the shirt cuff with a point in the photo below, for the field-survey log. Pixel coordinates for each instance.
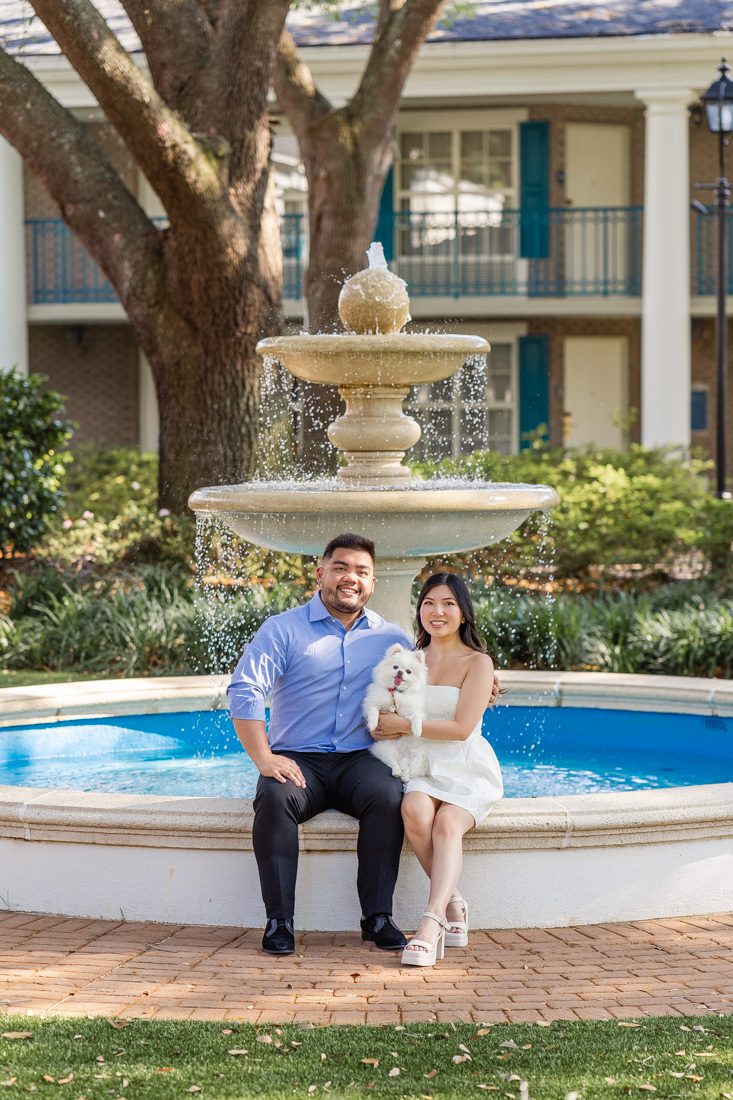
(246, 704)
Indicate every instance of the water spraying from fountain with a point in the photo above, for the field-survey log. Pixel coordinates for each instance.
(374, 365)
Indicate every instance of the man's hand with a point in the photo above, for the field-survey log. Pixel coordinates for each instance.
(282, 768)
(390, 726)
(495, 687)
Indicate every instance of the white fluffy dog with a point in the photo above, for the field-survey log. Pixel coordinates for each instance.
(398, 685)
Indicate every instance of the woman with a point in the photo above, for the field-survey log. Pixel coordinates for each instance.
(439, 808)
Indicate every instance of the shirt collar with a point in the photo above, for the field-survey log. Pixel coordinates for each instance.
(317, 610)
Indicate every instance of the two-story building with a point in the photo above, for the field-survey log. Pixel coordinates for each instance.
(546, 156)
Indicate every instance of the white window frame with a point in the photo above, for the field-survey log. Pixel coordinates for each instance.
(496, 334)
(448, 220)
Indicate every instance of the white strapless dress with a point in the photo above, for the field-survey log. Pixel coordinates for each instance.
(464, 773)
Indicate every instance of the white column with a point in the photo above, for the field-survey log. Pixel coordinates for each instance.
(147, 408)
(665, 325)
(13, 321)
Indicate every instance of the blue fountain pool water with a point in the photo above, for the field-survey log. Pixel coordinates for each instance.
(542, 751)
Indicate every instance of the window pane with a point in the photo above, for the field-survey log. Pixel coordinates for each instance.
(442, 391)
(472, 145)
(473, 430)
(699, 410)
(500, 143)
(472, 380)
(437, 437)
(413, 176)
(500, 429)
(440, 146)
(500, 357)
(499, 375)
(499, 388)
(475, 171)
(412, 146)
(500, 175)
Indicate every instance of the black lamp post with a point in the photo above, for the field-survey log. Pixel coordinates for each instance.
(718, 104)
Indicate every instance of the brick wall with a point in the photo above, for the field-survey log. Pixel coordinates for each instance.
(95, 367)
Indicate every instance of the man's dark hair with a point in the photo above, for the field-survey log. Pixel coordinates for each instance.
(349, 541)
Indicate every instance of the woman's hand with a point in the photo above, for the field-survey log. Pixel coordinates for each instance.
(495, 689)
(390, 726)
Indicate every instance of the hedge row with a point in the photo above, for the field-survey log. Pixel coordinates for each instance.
(150, 622)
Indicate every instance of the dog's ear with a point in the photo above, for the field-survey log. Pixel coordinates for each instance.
(396, 648)
(420, 655)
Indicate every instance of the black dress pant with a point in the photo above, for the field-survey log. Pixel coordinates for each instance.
(357, 784)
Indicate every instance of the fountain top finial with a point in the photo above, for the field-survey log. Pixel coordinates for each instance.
(374, 300)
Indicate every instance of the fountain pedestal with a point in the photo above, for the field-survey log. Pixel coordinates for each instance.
(392, 597)
(374, 416)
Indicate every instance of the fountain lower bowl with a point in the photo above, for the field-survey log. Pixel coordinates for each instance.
(301, 518)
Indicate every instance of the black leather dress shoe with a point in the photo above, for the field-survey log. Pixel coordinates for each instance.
(383, 932)
(279, 938)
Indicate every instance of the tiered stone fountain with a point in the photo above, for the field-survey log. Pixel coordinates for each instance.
(374, 365)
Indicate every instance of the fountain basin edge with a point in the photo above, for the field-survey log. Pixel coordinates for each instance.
(303, 518)
(539, 862)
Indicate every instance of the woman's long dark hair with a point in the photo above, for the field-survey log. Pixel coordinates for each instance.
(468, 633)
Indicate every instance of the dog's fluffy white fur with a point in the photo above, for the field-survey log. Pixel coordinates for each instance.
(398, 685)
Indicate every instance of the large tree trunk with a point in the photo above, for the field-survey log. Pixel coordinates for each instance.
(200, 293)
(208, 402)
(345, 181)
(217, 298)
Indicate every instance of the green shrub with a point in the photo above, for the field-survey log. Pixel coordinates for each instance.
(31, 468)
(678, 630)
(154, 621)
(147, 622)
(641, 509)
(112, 520)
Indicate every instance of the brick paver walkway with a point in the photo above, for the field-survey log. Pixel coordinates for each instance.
(78, 967)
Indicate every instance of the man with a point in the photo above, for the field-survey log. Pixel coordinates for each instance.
(317, 660)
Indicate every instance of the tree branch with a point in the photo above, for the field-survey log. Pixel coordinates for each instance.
(386, 8)
(164, 148)
(400, 35)
(296, 88)
(176, 36)
(93, 200)
(246, 40)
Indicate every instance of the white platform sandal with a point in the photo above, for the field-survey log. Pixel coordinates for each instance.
(456, 934)
(432, 951)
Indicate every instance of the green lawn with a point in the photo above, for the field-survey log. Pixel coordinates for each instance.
(11, 678)
(161, 1060)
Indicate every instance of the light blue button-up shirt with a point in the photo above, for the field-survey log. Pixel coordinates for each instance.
(317, 673)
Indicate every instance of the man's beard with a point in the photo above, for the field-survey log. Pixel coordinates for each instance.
(339, 603)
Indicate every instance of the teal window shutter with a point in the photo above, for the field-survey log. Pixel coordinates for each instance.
(385, 219)
(534, 386)
(534, 190)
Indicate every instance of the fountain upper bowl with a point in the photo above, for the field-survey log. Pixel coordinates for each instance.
(401, 359)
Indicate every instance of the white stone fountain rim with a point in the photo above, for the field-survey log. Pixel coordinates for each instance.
(579, 821)
(374, 344)
(449, 495)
